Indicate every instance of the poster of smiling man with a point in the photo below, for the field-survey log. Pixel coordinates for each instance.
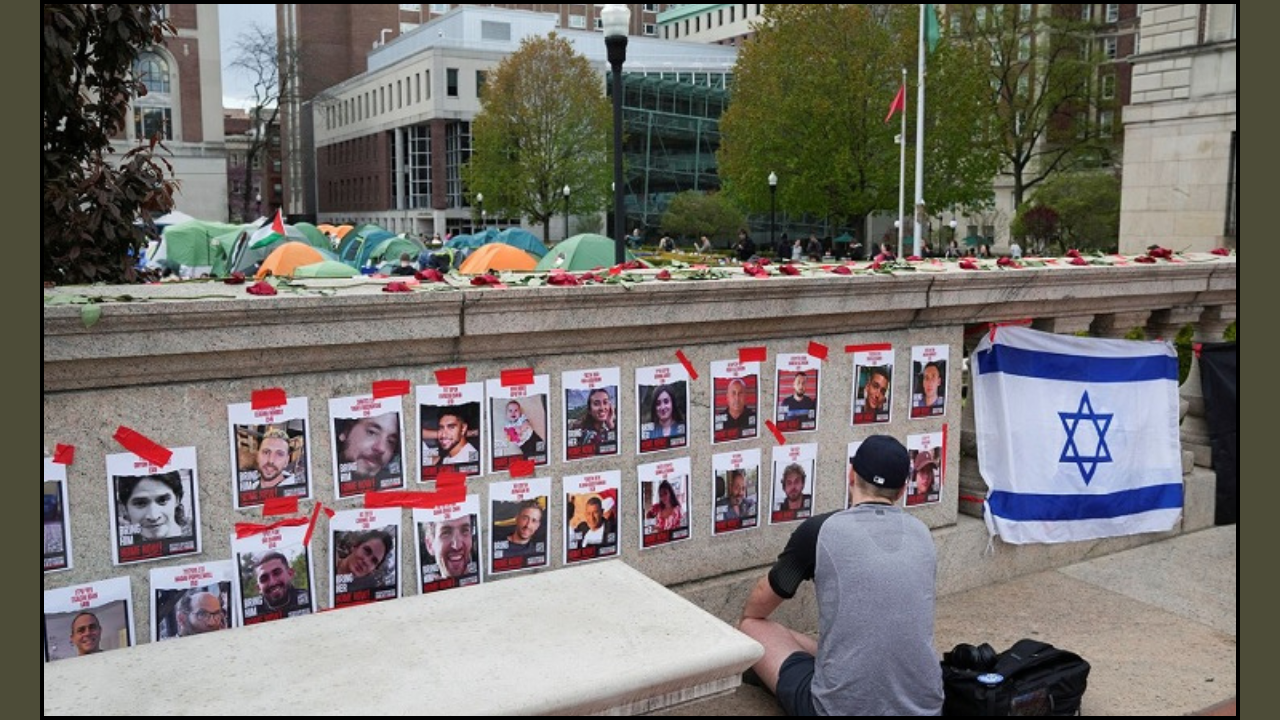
(448, 545)
(928, 381)
(793, 482)
(191, 599)
(872, 385)
(270, 452)
(368, 444)
(799, 381)
(518, 524)
(273, 575)
(450, 424)
(363, 556)
(156, 512)
(591, 516)
(88, 619)
(737, 491)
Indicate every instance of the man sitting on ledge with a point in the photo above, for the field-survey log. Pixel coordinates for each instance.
(874, 569)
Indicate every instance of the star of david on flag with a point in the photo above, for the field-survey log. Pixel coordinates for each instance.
(1077, 437)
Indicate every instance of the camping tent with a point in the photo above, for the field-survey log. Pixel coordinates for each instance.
(315, 236)
(390, 249)
(581, 252)
(189, 249)
(284, 259)
(485, 237)
(523, 239)
(497, 256)
(325, 269)
(245, 257)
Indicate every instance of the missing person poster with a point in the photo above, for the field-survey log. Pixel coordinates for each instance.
(448, 547)
(155, 509)
(191, 599)
(736, 501)
(872, 385)
(928, 381)
(89, 618)
(927, 461)
(793, 482)
(664, 502)
(590, 413)
(55, 518)
(450, 422)
(662, 406)
(518, 519)
(363, 564)
(518, 417)
(591, 516)
(368, 444)
(273, 575)
(270, 452)
(735, 400)
(798, 384)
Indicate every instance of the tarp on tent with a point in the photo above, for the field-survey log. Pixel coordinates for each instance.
(189, 249)
(497, 256)
(325, 269)
(581, 252)
(282, 261)
(523, 239)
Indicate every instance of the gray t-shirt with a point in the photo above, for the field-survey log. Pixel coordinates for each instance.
(874, 569)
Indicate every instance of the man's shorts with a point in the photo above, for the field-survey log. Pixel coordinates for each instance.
(794, 678)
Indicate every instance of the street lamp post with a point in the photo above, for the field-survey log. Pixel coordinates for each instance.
(773, 196)
(566, 212)
(616, 22)
(480, 205)
(259, 201)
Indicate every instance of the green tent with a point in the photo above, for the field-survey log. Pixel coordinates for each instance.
(315, 238)
(974, 240)
(580, 253)
(325, 269)
(191, 244)
(389, 250)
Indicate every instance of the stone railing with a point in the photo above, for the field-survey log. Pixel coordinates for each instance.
(169, 361)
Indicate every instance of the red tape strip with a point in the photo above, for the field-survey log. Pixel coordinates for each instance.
(280, 506)
(64, 454)
(994, 326)
(520, 468)
(818, 350)
(972, 499)
(451, 376)
(143, 446)
(246, 529)
(688, 366)
(753, 354)
(882, 347)
(311, 526)
(390, 388)
(517, 376)
(450, 479)
(268, 398)
(777, 434)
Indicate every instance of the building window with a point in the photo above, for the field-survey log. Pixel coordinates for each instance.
(451, 77)
(418, 166)
(1108, 87)
(495, 31)
(720, 17)
(411, 8)
(151, 121)
(980, 16)
(1024, 12)
(1086, 12)
(1024, 48)
(650, 29)
(426, 82)
(600, 23)
(1105, 119)
(651, 8)
(407, 26)
(153, 72)
(956, 20)
(578, 21)
(440, 8)
(1110, 47)
(481, 78)
(697, 24)
(1113, 13)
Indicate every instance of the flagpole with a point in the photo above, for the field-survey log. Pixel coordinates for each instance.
(918, 226)
(902, 165)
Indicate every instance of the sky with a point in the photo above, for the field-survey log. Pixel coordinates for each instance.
(237, 88)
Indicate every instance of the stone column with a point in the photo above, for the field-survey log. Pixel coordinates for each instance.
(1213, 322)
(1165, 324)
(1068, 325)
(1117, 325)
(1194, 430)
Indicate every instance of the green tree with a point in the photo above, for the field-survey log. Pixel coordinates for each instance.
(1088, 206)
(544, 123)
(1041, 70)
(89, 201)
(810, 95)
(693, 214)
(1038, 222)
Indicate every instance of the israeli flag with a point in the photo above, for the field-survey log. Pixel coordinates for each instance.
(1077, 437)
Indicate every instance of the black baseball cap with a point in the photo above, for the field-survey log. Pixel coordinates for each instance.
(882, 461)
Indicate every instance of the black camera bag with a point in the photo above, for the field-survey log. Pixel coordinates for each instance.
(1030, 678)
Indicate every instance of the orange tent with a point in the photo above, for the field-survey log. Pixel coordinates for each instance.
(288, 256)
(342, 230)
(497, 256)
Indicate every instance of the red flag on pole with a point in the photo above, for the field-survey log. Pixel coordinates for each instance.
(899, 103)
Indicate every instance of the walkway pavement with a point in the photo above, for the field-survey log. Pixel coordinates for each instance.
(1157, 623)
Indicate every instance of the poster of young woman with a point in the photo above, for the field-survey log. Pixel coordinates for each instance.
(448, 547)
(155, 508)
(664, 502)
(55, 518)
(519, 420)
(518, 519)
(735, 400)
(873, 385)
(591, 516)
(662, 404)
(273, 575)
(270, 452)
(450, 422)
(737, 492)
(363, 561)
(368, 444)
(799, 380)
(928, 381)
(590, 413)
(89, 618)
(793, 482)
(191, 599)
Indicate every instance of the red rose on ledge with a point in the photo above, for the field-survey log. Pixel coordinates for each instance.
(560, 277)
(968, 264)
(914, 258)
(261, 288)
(591, 277)
(1007, 262)
(1220, 251)
(396, 287)
(788, 269)
(754, 270)
(1156, 251)
(481, 280)
(429, 275)
(1145, 259)
(664, 275)
(1074, 253)
(235, 278)
(1077, 260)
(840, 270)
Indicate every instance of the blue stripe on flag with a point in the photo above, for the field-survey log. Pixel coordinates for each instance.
(1076, 368)
(1038, 507)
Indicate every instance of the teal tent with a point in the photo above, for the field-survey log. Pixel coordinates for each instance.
(523, 239)
(472, 242)
(191, 245)
(580, 253)
(390, 249)
(974, 240)
(315, 238)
